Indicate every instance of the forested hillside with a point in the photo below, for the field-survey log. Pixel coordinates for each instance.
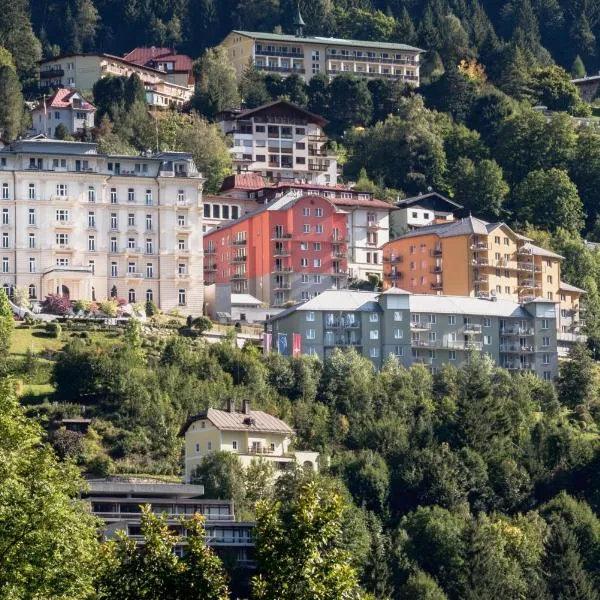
(489, 30)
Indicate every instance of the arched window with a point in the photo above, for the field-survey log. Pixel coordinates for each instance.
(6, 288)
(131, 295)
(149, 295)
(32, 292)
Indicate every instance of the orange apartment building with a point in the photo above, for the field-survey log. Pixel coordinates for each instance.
(291, 249)
(470, 257)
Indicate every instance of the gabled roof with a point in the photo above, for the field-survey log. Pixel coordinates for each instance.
(567, 287)
(539, 251)
(254, 421)
(151, 56)
(336, 300)
(466, 226)
(243, 181)
(244, 300)
(432, 196)
(63, 98)
(249, 112)
(278, 37)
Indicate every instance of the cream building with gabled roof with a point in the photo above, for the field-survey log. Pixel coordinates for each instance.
(251, 434)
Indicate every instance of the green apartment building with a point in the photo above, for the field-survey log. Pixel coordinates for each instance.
(417, 328)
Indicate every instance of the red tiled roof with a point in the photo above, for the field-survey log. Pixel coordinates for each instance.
(243, 181)
(374, 203)
(147, 56)
(63, 99)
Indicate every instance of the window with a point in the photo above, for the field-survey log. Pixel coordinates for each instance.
(487, 340)
(318, 212)
(149, 270)
(545, 359)
(114, 223)
(549, 295)
(30, 191)
(374, 318)
(131, 295)
(181, 244)
(131, 220)
(5, 191)
(317, 246)
(374, 334)
(310, 316)
(113, 244)
(62, 216)
(149, 295)
(432, 319)
(131, 267)
(399, 351)
(181, 296)
(113, 195)
(32, 265)
(452, 355)
(91, 219)
(180, 196)
(5, 240)
(304, 262)
(306, 228)
(113, 269)
(398, 334)
(148, 197)
(304, 278)
(216, 211)
(62, 239)
(547, 376)
(311, 334)
(130, 195)
(451, 319)
(545, 342)
(32, 291)
(5, 216)
(207, 211)
(182, 268)
(487, 322)
(316, 262)
(91, 243)
(316, 279)
(374, 352)
(235, 212)
(306, 212)
(91, 193)
(318, 228)
(397, 315)
(61, 190)
(149, 247)
(31, 240)
(180, 220)
(5, 264)
(234, 444)
(303, 246)
(544, 323)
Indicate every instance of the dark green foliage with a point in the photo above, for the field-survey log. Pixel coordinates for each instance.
(11, 104)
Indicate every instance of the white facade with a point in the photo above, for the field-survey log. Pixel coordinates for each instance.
(74, 113)
(368, 230)
(87, 225)
(281, 142)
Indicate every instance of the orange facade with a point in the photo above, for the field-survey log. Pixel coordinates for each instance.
(266, 252)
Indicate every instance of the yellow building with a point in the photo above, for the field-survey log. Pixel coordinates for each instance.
(470, 257)
(251, 434)
(307, 56)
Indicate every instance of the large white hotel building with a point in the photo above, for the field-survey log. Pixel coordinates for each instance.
(90, 226)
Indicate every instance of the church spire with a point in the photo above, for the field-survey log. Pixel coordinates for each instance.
(299, 22)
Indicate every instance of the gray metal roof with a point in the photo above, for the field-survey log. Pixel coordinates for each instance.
(567, 287)
(466, 226)
(278, 37)
(338, 300)
(254, 420)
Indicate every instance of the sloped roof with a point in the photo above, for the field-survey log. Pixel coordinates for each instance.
(255, 420)
(63, 98)
(567, 287)
(539, 251)
(243, 181)
(277, 37)
(335, 300)
(468, 225)
(429, 196)
(244, 300)
(359, 202)
(244, 114)
(149, 56)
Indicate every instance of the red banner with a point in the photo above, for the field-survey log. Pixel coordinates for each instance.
(267, 341)
(296, 345)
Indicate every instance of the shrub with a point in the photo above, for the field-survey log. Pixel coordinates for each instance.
(81, 306)
(54, 329)
(56, 305)
(109, 307)
(29, 320)
(202, 324)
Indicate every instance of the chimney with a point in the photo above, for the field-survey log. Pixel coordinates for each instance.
(246, 407)
(231, 405)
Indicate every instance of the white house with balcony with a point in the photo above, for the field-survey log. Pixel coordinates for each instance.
(65, 107)
(251, 434)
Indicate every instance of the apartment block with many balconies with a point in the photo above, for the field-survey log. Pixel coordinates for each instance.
(90, 226)
(471, 257)
(280, 141)
(290, 249)
(307, 56)
(422, 329)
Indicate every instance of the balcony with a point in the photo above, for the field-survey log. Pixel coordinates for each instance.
(210, 250)
(437, 285)
(339, 254)
(435, 252)
(239, 242)
(517, 366)
(418, 326)
(282, 285)
(321, 167)
(525, 250)
(68, 224)
(134, 275)
(273, 69)
(529, 284)
(337, 238)
(211, 267)
(179, 275)
(320, 153)
(529, 266)
(423, 360)
(480, 262)
(472, 329)
(395, 275)
(463, 345)
(133, 250)
(281, 269)
(280, 235)
(425, 343)
(339, 273)
(372, 225)
(516, 349)
(51, 73)
(239, 277)
(341, 323)
(239, 259)
(259, 51)
(319, 139)
(481, 279)
(282, 252)
(393, 259)
(436, 269)
(340, 341)
(478, 246)
(517, 330)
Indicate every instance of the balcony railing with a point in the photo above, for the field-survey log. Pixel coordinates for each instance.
(239, 259)
(281, 235)
(271, 52)
(481, 262)
(341, 324)
(472, 328)
(522, 331)
(278, 69)
(463, 345)
(516, 349)
(239, 242)
(51, 73)
(529, 266)
(436, 269)
(479, 246)
(393, 259)
(282, 252)
(281, 269)
(436, 252)
(239, 276)
(418, 326)
(211, 267)
(437, 285)
(339, 273)
(425, 343)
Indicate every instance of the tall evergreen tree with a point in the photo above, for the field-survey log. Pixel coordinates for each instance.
(11, 104)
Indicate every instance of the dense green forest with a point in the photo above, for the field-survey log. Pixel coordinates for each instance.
(470, 483)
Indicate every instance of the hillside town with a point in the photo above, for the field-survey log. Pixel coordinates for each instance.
(299, 300)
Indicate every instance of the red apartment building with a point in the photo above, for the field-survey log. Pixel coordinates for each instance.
(290, 249)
